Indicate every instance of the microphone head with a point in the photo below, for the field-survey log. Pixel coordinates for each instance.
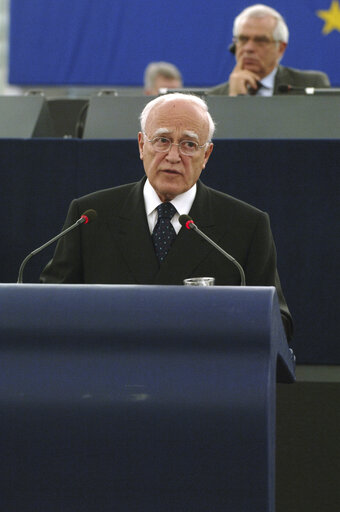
(89, 216)
(284, 88)
(288, 88)
(186, 220)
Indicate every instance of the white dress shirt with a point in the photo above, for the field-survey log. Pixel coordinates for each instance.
(182, 203)
(267, 83)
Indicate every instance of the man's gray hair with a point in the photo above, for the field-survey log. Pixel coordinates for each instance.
(156, 69)
(165, 98)
(280, 33)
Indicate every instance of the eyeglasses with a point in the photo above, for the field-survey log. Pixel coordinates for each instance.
(260, 41)
(185, 147)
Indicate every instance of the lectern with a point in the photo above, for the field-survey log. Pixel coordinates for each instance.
(139, 398)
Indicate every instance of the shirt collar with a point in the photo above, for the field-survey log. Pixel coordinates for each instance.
(182, 202)
(268, 81)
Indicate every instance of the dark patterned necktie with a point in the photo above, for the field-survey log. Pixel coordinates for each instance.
(164, 234)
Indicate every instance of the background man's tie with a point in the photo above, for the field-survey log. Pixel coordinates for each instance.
(164, 234)
(252, 91)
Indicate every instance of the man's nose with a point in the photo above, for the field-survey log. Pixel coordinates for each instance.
(249, 45)
(173, 153)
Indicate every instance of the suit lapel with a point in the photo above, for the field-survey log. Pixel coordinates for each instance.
(189, 249)
(133, 237)
(281, 78)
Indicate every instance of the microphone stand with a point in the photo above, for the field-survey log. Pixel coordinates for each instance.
(33, 253)
(243, 278)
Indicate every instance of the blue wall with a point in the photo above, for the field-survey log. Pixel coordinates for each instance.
(111, 41)
(300, 193)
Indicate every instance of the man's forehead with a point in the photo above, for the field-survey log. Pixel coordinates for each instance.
(265, 23)
(177, 114)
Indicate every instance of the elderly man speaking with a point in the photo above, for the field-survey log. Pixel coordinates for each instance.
(137, 237)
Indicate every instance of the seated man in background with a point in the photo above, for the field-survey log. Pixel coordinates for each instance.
(138, 239)
(260, 38)
(161, 75)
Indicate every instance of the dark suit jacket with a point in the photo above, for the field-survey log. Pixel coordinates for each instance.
(285, 76)
(117, 248)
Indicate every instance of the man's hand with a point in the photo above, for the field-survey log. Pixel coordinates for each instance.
(241, 80)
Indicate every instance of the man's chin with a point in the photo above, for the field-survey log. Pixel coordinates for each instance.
(169, 191)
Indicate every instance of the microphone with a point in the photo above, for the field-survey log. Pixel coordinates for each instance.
(85, 218)
(284, 88)
(186, 220)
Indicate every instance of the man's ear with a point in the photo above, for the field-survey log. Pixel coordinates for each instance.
(141, 145)
(282, 48)
(207, 154)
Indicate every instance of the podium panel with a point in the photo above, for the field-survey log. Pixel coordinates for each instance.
(242, 117)
(277, 117)
(25, 117)
(114, 117)
(139, 397)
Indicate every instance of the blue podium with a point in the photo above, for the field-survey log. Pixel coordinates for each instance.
(139, 398)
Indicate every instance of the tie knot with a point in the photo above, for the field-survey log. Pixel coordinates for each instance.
(166, 210)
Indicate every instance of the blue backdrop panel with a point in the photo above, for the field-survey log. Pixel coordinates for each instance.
(39, 178)
(86, 42)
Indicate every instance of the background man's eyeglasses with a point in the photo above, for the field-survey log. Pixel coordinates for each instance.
(257, 40)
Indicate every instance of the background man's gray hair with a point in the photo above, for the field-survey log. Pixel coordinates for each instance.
(280, 33)
(155, 69)
(172, 96)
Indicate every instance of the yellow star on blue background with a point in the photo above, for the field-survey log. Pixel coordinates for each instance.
(331, 17)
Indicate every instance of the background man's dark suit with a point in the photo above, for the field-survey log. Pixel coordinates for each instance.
(286, 76)
(117, 248)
